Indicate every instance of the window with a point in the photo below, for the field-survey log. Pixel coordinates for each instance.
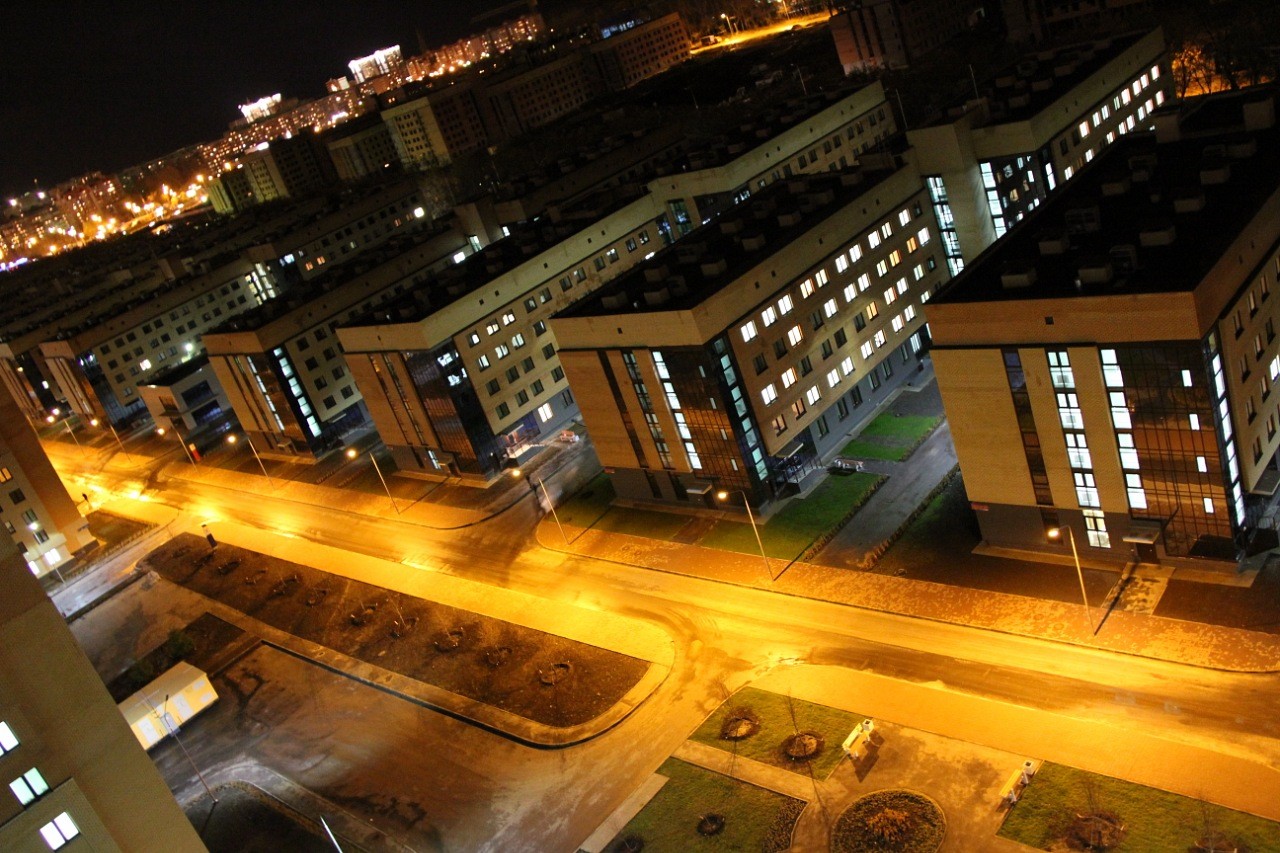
(904, 216)
(769, 394)
(517, 341)
(748, 330)
(785, 304)
(17, 496)
(508, 318)
(873, 239)
(880, 338)
(483, 361)
(864, 282)
(8, 740)
(544, 412)
(889, 295)
(867, 349)
(789, 377)
(59, 831)
(813, 395)
(882, 267)
(5, 476)
(842, 263)
(769, 316)
(833, 378)
(794, 335)
(807, 288)
(503, 410)
(29, 787)
(830, 307)
(798, 409)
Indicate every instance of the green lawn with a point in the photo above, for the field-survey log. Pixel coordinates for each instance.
(891, 437)
(774, 711)
(790, 531)
(590, 508)
(755, 819)
(587, 506)
(1156, 820)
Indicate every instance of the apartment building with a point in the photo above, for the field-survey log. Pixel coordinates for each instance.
(742, 356)
(1038, 123)
(78, 777)
(90, 350)
(1109, 365)
(462, 375)
(279, 364)
(431, 126)
(361, 147)
(37, 513)
(633, 55)
(874, 34)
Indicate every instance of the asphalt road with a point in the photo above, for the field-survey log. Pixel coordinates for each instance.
(383, 758)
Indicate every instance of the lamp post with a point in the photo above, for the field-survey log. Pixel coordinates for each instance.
(352, 453)
(728, 22)
(1056, 533)
(93, 422)
(160, 431)
(534, 485)
(163, 714)
(724, 496)
(232, 439)
(72, 433)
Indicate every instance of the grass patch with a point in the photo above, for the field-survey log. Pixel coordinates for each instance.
(755, 819)
(591, 507)
(587, 506)
(801, 521)
(774, 712)
(891, 437)
(1155, 820)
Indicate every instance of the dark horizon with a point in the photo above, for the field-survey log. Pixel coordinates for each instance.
(101, 88)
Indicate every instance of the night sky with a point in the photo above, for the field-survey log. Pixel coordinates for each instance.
(95, 85)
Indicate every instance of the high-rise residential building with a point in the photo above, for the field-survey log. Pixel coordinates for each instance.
(280, 365)
(361, 147)
(78, 777)
(1033, 20)
(379, 62)
(640, 52)
(1109, 366)
(429, 127)
(35, 508)
(993, 159)
(872, 34)
(742, 356)
(461, 375)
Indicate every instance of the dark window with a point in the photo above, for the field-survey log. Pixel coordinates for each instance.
(17, 496)
(761, 364)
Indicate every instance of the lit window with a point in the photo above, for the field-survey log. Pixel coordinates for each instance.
(849, 292)
(59, 831)
(846, 366)
(1084, 129)
(748, 330)
(830, 307)
(544, 412)
(833, 378)
(785, 304)
(1202, 465)
(880, 338)
(806, 289)
(29, 787)
(821, 278)
(874, 239)
(813, 395)
(769, 394)
(882, 267)
(1194, 421)
(897, 323)
(508, 318)
(886, 229)
(904, 216)
(458, 257)
(1137, 495)
(923, 236)
(842, 263)
(1096, 526)
(1208, 506)
(864, 282)
(8, 740)
(794, 335)
(867, 349)
(855, 254)
(789, 377)
(890, 295)
(769, 316)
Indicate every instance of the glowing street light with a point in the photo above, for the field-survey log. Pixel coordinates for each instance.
(93, 422)
(352, 453)
(1056, 533)
(723, 495)
(534, 485)
(231, 439)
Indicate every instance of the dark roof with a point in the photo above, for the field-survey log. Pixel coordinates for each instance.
(711, 257)
(1144, 217)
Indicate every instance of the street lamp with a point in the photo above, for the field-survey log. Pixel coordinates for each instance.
(533, 487)
(160, 431)
(72, 432)
(723, 495)
(1056, 533)
(93, 422)
(163, 715)
(232, 439)
(352, 453)
(728, 22)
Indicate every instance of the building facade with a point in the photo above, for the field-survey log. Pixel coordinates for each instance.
(875, 34)
(1037, 124)
(1108, 367)
(740, 358)
(78, 775)
(35, 509)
